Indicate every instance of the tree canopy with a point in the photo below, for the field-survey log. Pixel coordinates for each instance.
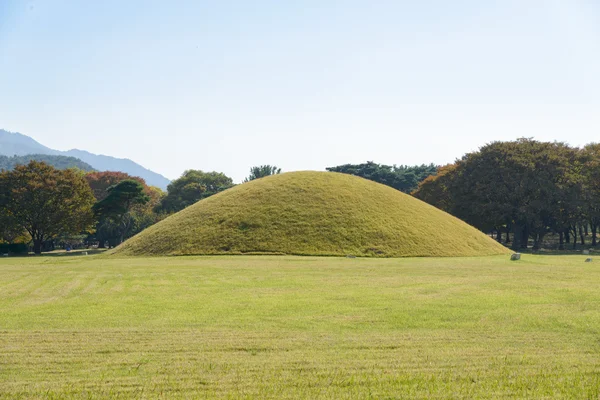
(261, 171)
(141, 216)
(101, 181)
(526, 187)
(45, 201)
(191, 187)
(404, 178)
(119, 202)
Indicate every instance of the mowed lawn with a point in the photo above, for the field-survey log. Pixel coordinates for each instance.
(299, 327)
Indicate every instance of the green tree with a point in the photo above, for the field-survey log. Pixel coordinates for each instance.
(46, 202)
(436, 189)
(591, 186)
(101, 181)
(192, 187)
(403, 178)
(262, 171)
(10, 229)
(142, 215)
(525, 186)
(119, 203)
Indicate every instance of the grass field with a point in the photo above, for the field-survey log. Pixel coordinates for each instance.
(299, 327)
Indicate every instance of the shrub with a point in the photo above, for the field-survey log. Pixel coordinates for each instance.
(18, 248)
(14, 248)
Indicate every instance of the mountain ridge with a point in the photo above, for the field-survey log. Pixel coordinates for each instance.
(60, 162)
(15, 143)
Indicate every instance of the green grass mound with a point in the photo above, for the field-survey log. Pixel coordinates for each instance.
(312, 213)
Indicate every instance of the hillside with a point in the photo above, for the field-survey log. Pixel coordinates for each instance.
(18, 144)
(312, 213)
(60, 162)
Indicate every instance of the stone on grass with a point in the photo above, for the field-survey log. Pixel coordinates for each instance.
(515, 257)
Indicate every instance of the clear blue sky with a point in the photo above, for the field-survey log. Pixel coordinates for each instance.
(224, 85)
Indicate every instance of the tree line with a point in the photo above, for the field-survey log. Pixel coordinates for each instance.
(43, 205)
(60, 162)
(403, 178)
(522, 190)
(518, 190)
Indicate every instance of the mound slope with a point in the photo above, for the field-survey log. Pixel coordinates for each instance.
(312, 213)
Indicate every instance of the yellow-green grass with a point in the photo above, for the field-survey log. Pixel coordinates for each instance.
(312, 213)
(299, 327)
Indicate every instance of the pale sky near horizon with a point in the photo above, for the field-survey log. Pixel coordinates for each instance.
(225, 85)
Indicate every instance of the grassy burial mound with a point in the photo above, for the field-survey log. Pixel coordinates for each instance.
(312, 213)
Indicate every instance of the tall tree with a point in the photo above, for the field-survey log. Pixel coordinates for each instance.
(119, 202)
(527, 186)
(142, 215)
(46, 202)
(591, 186)
(518, 183)
(192, 187)
(261, 171)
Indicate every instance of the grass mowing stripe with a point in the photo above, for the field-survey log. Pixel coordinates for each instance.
(299, 327)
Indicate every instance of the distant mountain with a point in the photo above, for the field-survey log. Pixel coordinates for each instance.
(18, 144)
(60, 162)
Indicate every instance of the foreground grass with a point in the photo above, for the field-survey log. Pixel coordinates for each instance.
(292, 327)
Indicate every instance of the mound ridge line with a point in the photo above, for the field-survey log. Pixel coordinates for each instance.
(312, 213)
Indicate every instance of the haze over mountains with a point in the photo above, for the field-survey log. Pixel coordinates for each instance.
(18, 144)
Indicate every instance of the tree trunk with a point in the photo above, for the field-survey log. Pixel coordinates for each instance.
(37, 246)
(102, 244)
(561, 241)
(536, 242)
(518, 232)
(567, 236)
(525, 238)
(581, 235)
(126, 224)
(594, 230)
(538, 239)
(585, 227)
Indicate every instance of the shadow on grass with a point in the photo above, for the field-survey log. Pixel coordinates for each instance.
(61, 253)
(566, 252)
